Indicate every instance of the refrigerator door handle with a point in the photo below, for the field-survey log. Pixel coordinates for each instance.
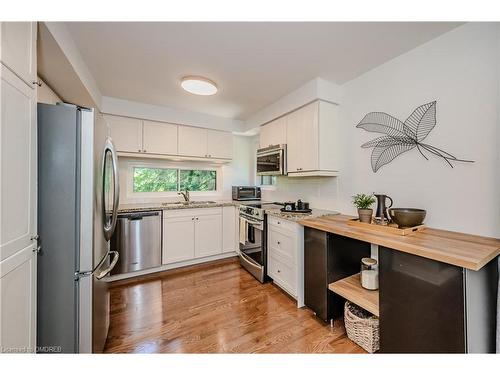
(101, 274)
(104, 272)
(109, 229)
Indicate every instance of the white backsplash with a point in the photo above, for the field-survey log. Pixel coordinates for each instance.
(320, 192)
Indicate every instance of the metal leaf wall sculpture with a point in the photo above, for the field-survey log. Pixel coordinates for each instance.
(401, 137)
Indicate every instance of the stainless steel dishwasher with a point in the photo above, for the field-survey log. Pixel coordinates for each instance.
(138, 240)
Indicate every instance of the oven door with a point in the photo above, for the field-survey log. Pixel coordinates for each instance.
(252, 255)
(270, 163)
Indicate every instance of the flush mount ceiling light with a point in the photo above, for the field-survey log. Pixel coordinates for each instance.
(199, 85)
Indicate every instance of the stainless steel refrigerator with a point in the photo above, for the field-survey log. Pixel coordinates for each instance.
(78, 194)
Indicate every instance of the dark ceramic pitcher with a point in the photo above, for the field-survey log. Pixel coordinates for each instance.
(381, 206)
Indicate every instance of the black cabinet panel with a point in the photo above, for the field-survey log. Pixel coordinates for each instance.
(344, 260)
(315, 271)
(421, 304)
(328, 258)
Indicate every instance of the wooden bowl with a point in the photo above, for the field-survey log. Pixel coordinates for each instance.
(407, 217)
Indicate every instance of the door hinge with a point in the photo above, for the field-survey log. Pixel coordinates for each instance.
(37, 248)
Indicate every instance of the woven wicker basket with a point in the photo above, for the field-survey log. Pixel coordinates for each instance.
(362, 327)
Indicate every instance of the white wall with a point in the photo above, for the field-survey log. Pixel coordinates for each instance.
(121, 107)
(460, 70)
(64, 39)
(315, 89)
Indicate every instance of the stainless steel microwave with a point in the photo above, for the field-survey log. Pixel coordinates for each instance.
(246, 193)
(271, 161)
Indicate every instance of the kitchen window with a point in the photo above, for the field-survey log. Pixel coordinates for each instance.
(159, 180)
(267, 180)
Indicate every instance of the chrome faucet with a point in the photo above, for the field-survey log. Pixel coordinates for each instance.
(184, 194)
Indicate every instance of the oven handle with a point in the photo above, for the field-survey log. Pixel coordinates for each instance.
(278, 151)
(247, 259)
(255, 223)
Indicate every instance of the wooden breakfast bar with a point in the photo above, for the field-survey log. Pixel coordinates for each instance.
(437, 289)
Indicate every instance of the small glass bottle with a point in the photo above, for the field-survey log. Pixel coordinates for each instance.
(369, 273)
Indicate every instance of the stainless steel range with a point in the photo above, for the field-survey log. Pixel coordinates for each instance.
(253, 238)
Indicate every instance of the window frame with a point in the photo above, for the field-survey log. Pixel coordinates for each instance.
(268, 186)
(169, 194)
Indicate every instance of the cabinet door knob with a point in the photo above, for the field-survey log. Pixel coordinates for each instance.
(279, 243)
(279, 271)
(38, 83)
(139, 150)
(192, 218)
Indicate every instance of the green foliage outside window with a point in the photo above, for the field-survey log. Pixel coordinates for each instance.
(197, 180)
(149, 180)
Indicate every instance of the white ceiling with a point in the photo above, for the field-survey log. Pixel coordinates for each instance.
(254, 64)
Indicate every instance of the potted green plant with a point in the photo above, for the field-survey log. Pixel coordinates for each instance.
(364, 203)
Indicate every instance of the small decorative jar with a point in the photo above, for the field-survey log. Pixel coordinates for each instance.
(369, 273)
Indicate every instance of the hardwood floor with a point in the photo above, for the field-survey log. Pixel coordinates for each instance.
(215, 308)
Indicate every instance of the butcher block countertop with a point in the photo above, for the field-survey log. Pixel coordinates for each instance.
(459, 249)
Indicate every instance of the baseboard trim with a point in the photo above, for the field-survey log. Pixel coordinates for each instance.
(158, 272)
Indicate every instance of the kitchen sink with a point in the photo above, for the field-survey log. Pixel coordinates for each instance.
(190, 203)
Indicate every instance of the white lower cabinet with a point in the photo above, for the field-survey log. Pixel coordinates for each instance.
(178, 239)
(229, 229)
(18, 302)
(285, 256)
(190, 234)
(208, 235)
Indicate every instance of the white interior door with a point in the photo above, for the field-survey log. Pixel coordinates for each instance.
(18, 49)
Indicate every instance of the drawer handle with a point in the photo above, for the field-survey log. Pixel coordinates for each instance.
(279, 243)
(279, 271)
(279, 222)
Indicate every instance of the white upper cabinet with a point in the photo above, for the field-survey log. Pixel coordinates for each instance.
(153, 138)
(312, 140)
(160, 138)
(126, 133)
(205, 143)
(18, 49)
(273, 133)
(219, 144)
(192, 141)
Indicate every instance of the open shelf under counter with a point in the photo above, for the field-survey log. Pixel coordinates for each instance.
(350, 288)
